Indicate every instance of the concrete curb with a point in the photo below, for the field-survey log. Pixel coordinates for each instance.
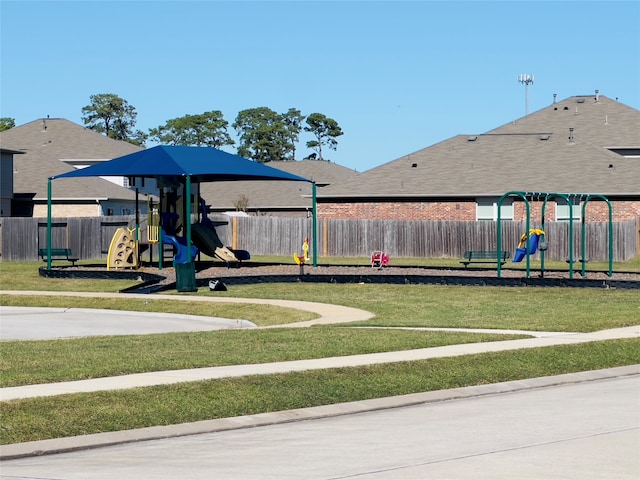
(70, 444)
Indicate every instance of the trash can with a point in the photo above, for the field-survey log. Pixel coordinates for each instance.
(186, 277)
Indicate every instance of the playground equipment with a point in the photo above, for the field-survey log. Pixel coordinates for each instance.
(305, 253)
(123, 251)
(301, 260)
(153, 223)
(535, 239)
(569, 198)
(205, 237)
(379, 259)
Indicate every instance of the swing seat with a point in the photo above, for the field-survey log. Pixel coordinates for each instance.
(519, 255)
(534, 242)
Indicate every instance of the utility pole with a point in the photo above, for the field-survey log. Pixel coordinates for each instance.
(526, 79)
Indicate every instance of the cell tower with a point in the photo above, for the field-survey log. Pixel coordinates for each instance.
(527, 80)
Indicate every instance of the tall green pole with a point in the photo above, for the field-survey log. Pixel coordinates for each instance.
(523, 196)
(570, 238)
(610, 229)
(187, 214)
(314, 227)
(610, 237)
(49, 225)
(160, 230)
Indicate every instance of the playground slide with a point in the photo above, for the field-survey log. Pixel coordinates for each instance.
(204, 236)
(181, 255)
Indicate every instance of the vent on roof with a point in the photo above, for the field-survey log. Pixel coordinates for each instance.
(580, 100)
(545, 137)
(414, 165)
(566, 108)
(570, 134)
(472, 138)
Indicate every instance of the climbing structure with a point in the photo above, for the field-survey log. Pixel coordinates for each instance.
(123, 251)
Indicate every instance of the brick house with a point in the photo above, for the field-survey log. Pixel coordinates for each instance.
(583, 145)
(52, 146)
(291, 199)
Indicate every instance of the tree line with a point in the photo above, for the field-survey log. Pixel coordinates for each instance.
(264, 135)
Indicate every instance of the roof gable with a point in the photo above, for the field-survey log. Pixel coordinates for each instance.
(46, 142)
(532, 154)
(61, 139)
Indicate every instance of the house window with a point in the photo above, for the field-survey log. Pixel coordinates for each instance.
(126, 211)
(562, 211)
(487, 209)
(109, 212)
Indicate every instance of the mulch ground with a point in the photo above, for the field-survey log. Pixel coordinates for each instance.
(273, 272)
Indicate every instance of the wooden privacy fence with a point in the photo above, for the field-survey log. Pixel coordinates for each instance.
(89, 238)
(433, 239)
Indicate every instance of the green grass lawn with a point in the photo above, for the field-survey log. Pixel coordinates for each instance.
(552, 309)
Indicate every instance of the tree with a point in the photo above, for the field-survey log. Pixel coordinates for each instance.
(206, 129)
(114, 117)
(293, 124)
(325, 130)
(263, 135)
(6, 123)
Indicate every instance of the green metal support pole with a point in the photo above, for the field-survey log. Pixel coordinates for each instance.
(138, 218)
(610, 230)
(583, 242)
(314, 226)
(160, 230)
(542, 252)
(570, 241)
(499, 227)
(527, 228)
(49, 225)
(187, 214)
(610, 238)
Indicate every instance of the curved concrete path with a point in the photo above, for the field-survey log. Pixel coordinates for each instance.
(327, 313)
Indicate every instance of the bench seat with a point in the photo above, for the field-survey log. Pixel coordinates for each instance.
(485, 256)
(58, 254)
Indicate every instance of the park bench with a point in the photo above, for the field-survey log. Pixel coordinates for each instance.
(484, 256)
(58, 254)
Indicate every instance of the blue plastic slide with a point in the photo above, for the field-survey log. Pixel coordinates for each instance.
(181, 255)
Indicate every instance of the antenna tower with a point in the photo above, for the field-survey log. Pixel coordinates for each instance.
(526, 79)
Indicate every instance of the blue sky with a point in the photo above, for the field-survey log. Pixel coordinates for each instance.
(396, 76)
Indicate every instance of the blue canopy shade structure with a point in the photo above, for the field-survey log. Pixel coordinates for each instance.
(179, 165)
(202, 164)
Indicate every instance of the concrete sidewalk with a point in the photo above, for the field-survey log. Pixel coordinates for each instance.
(210, 373)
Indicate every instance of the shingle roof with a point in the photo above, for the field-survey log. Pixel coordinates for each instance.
(533, 153)
(276, 195)
(48, 141)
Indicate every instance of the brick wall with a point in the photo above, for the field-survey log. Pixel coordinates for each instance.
(68, 211)
(597, 211)
(399, 210)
